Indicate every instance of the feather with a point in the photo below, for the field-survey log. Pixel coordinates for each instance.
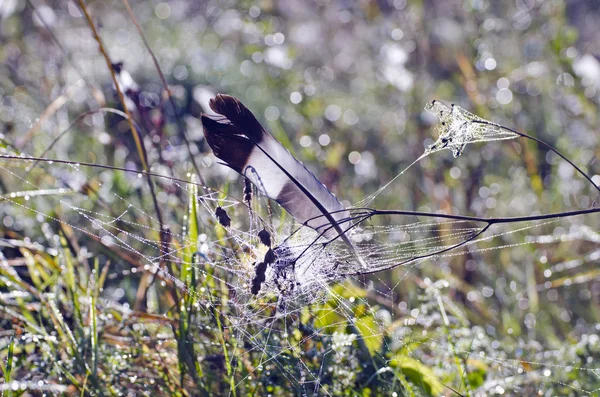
(238, 139)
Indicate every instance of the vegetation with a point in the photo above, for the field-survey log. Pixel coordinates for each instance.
(118, 277)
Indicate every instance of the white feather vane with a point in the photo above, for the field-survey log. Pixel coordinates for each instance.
(238, 139)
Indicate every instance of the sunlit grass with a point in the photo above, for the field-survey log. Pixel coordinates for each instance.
(119, 281)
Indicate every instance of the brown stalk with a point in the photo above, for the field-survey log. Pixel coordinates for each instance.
(134, 131)
(167, 90)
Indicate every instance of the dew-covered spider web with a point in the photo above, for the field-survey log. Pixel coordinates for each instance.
(456, 129)
(272, 303)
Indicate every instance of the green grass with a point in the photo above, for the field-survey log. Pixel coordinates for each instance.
(127, 283)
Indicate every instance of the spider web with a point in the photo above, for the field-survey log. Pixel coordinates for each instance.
(316, 317)
(458, 127)
(317, 325)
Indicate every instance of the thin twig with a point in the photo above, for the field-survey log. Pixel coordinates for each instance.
(134, 131)
(366, 211)
(312, 198)
(68, 57)
(111, 167)
(491, 221)
(66, 130)
(424, 256)
(546, 145)
(180, 124)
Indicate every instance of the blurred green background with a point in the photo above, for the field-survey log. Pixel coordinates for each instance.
(342, 84)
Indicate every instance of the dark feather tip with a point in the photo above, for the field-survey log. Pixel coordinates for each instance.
(239, 115)
(226, 142)
(117, 67)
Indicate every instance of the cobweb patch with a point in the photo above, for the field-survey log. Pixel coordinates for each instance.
(317, 325)
(458, 127)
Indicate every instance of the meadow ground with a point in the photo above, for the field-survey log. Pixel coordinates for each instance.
(120, 276)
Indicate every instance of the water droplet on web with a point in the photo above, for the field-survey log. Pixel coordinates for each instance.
(458, 127)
